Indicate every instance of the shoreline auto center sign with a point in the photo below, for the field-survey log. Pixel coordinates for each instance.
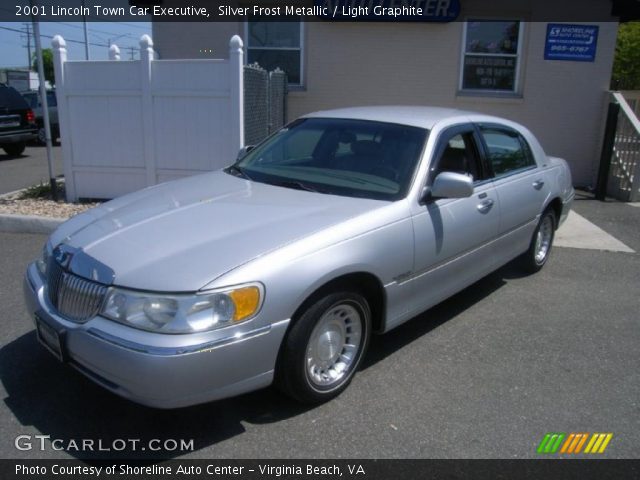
(389, 10)
(576, 43)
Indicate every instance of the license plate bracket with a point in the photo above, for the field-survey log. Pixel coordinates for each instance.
(51, 336)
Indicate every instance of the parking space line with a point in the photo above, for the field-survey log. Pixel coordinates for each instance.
(578, 232)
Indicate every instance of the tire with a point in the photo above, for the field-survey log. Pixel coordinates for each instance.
(14, 149)
(324, 348)
(541, 242)
(42, 136)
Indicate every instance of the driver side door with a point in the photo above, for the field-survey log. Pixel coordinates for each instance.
(453, 237)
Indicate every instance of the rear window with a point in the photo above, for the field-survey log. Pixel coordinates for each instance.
(11, 99)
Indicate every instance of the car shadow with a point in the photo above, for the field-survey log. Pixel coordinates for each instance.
(4, 156)
(385, 345)
(60, 402)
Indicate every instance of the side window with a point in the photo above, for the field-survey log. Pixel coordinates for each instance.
(508, 151)
(459, 156)
(52, 101)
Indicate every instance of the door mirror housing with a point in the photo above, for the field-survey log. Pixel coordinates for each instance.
(243, 151)
(451, 185)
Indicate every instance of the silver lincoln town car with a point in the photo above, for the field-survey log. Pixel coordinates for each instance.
(280, 267)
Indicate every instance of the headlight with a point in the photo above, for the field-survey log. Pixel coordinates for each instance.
(43, 260)
(184, 313)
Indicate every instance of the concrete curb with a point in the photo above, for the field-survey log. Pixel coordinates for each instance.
(28, 224)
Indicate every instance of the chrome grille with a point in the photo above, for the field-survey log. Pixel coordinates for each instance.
(73, 297)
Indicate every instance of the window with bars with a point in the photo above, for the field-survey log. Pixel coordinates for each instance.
(276, 45)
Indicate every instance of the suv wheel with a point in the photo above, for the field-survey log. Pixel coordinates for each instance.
(14, 149)
(42, 136)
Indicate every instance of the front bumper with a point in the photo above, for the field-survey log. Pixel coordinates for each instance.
(160, 370)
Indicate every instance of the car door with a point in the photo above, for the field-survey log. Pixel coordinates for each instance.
(453, 236)
(519, 185)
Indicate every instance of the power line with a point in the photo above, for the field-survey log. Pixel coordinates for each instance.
(51, 36)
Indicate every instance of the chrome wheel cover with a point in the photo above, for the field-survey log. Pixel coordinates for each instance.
(543, 240)
(334, 346)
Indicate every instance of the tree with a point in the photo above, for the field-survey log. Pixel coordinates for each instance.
(626, 64)
(47, 61)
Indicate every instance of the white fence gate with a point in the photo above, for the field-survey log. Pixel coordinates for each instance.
(125, 125)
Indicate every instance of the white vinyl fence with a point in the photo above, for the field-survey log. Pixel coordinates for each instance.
(125, 125)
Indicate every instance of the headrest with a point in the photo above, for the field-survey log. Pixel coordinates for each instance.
(366, 147)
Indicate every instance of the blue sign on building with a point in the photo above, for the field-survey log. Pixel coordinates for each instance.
(571, 42)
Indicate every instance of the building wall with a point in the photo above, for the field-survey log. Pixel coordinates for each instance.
(348, 64)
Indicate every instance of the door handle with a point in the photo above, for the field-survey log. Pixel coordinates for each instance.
(485, 206)
(538, 184)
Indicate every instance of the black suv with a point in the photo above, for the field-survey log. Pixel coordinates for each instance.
(17, 122)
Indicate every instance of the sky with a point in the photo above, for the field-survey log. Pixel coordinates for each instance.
(13, 51)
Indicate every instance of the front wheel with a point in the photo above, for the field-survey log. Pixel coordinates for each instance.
(42, 136)
(324, 347)
(540, 248)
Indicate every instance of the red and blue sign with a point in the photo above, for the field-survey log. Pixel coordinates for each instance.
(577, 43)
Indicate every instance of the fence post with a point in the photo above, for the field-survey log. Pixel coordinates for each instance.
(114, 52)
(59, 59)
(146, 58)
(607, 150)
(236, 64)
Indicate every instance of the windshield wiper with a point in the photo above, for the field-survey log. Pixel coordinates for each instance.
(298, 186)
(238, 171)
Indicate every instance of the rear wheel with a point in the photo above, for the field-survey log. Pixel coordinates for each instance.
(14, 149)
(324, 347)
(541, 242)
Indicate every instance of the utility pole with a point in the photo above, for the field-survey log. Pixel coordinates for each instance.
(86, 33)
(28, 27)
(45, 106)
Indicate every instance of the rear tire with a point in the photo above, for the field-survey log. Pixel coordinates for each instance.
(541, 242)
(324, 348)
(14, 149)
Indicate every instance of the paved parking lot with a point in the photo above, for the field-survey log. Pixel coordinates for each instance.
(484, 375)
(28, 169)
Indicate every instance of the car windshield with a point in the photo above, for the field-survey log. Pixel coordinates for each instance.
(355, 158)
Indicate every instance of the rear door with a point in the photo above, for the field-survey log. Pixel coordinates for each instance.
(519, 185)
(13, 110)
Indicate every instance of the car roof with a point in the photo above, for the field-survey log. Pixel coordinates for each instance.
(417, 116)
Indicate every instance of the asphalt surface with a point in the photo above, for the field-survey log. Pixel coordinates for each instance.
(484, 375)
(29, 169)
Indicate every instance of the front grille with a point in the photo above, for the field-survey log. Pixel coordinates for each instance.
(73, 297)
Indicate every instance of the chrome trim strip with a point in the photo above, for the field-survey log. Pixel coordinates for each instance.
(177, 351)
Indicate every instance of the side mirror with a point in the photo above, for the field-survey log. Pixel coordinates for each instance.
(451, 185)
(244, 150)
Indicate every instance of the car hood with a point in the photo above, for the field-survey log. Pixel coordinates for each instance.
(181, 235)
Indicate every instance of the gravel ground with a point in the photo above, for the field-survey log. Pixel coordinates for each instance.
(14, 204)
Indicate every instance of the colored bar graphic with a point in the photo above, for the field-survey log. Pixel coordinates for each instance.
(573, 443)
(551, 442)
(598, 443)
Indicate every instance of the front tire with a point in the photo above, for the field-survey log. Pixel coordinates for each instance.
(42, 136)
(541, 242)
(324, 348)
